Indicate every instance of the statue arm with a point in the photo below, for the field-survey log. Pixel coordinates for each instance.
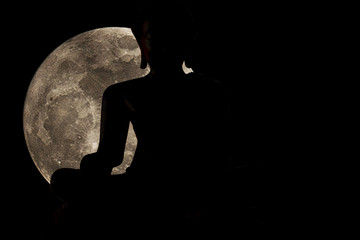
(113, 133)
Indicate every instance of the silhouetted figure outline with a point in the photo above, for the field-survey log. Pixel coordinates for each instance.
(182, 126)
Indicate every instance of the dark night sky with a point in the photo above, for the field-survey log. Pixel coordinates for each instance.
(257, 50)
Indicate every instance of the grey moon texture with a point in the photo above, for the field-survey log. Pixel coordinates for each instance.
(63, 103)
(61, 117)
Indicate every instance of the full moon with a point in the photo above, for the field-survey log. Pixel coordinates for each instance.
(62, 108)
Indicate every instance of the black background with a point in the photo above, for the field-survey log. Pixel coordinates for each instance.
(265, 54)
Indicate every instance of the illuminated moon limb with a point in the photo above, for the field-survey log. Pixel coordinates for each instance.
(62, 108)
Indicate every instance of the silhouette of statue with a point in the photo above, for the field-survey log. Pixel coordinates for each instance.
(182, 126)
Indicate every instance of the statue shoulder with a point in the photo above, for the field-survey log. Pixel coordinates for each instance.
(126, 87)
(205, 82)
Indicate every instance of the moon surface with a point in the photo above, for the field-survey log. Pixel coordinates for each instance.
(62, 109)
